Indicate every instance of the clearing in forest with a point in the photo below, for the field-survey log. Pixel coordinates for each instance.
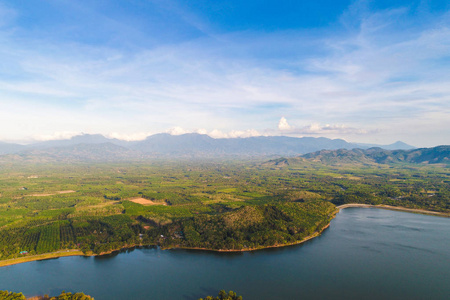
(58, 192)
(144, 201)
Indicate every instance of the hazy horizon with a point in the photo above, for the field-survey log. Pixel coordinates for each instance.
(363, 71)
(68, 137)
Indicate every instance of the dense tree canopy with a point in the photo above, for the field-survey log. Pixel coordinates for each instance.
(5, 295)
(223, 296)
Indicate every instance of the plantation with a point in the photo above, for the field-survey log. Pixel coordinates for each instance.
(229, 205)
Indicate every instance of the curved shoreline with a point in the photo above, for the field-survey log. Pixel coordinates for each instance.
(77, 252)
(397, 208)
(63, 253)
(315, 234)
(44, 256)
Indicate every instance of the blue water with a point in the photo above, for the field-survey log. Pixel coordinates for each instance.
(366, 253)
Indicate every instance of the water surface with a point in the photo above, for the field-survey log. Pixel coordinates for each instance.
(366, 253)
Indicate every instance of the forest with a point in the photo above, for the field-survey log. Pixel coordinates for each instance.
(6, 295)
(224, 296)
(216, 205)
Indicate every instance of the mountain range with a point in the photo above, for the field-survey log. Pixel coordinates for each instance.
(439, 154)
(97, 147)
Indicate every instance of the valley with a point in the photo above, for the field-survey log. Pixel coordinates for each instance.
(237, 205)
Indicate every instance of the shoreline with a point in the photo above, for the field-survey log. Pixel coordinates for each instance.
(314, 235)
(397, 208)
(77, 252)
(39, 257)
(63, 253)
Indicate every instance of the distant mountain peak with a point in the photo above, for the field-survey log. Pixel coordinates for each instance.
(439, 154)
(399, 145)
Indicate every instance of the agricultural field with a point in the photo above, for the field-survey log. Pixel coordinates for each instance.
(101, 207)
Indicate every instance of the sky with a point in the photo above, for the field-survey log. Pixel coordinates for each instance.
(363, 71)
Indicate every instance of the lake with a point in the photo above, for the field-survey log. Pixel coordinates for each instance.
(367, 253)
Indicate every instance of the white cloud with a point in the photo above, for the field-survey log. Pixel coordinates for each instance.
(318, 129)
(139, 136)
(243, 133)
(65, 135)
(202, 131)
(217, 134)
(283, 124)
(376, 75)
(177, 131)
(330, 129)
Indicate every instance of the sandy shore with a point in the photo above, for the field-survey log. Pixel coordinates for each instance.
(399, 208)
(61, 253)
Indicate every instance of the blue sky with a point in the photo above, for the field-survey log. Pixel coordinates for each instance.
(365, 71)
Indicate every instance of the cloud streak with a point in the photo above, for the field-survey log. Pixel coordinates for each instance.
(374, 76)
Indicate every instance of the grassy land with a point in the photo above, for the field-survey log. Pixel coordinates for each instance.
(48, 208)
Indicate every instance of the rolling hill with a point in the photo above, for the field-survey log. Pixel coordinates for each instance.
(435, 155)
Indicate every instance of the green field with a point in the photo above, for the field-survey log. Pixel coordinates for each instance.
(45, 208)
